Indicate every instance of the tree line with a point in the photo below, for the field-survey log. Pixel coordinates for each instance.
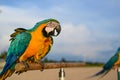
(47, 60)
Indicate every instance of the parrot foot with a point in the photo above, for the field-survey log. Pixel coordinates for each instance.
(25, 69)
(26, 65)
(41, 63)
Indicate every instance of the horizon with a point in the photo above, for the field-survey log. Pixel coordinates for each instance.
(90, 29)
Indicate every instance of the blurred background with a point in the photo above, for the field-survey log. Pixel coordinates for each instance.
(90, 28)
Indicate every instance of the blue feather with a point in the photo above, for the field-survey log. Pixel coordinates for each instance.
(108, 66)
(16, 49)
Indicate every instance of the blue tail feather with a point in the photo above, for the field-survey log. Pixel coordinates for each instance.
(100, 72)
(11, 60)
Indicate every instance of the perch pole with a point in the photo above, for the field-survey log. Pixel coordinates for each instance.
(61, 74)
(118, 72)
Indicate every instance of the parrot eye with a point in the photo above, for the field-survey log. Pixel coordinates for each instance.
(52, 24)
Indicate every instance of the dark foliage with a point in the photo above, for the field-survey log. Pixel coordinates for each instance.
(3, 55)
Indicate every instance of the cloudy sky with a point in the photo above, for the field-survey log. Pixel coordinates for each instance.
(90, 28)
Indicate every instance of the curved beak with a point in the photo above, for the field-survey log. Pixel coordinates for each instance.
(57, 31)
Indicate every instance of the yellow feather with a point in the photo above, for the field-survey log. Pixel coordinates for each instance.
(38, 46)
(7, 74)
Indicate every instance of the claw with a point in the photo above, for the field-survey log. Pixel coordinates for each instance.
(41, 63)
(18, 72)
(25, 68)
(26, 65)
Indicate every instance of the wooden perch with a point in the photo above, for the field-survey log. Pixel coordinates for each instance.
(20, 67)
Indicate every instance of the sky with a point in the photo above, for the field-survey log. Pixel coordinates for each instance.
(90, 28)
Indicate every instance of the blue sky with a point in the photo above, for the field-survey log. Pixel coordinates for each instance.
(90, 28)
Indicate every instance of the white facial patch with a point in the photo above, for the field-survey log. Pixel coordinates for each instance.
(51, 26)
(49, 29)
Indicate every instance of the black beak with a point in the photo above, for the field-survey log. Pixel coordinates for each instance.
(57, 31)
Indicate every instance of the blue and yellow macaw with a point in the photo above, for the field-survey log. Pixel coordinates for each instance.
(27, 43)
(111, 64)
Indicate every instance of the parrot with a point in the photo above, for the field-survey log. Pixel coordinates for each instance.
(112, 63)
(30, 43)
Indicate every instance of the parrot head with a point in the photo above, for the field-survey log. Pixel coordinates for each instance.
(52, 28)
(48, 27)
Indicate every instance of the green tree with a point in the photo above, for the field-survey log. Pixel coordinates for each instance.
(46, 60)
(63, 60)
(3, 55)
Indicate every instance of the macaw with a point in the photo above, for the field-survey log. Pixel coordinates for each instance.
(26, 43)
(112, 63)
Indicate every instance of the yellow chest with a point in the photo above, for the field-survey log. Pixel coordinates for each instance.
(38, 47)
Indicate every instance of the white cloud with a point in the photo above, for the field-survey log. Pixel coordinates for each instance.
(11, 18)
(71, 33)
(79, 40)
(4, 42)
(75, 39)
(12, 15)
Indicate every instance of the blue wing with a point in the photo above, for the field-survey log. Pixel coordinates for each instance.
(16, 49)
(111, 62)
(108, 66)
